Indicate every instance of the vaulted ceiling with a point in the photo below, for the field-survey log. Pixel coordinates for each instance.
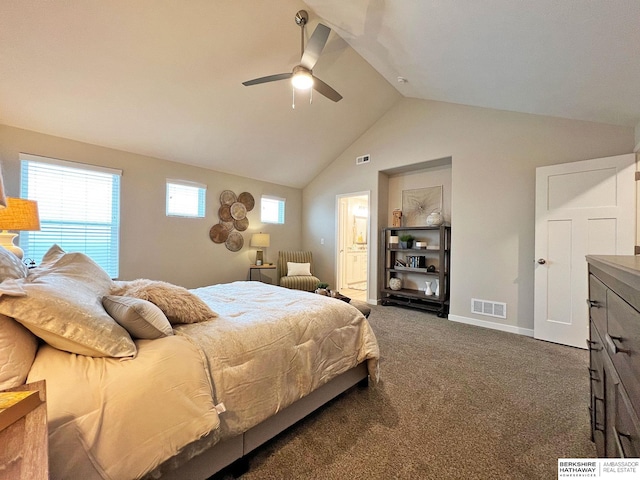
(164, 78)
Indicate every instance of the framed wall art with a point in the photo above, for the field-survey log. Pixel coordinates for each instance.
(418, 203)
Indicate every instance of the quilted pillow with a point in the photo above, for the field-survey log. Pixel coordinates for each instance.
(10, 266)
(177, 303)
(298, 269)
(142, 319)
(18, 348)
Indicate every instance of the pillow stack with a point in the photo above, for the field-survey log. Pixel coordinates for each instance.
(71, 303)
(62, 305)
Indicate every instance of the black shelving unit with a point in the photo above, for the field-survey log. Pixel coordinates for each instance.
(414, 297)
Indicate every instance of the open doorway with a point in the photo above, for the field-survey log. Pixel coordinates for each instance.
(353, 245)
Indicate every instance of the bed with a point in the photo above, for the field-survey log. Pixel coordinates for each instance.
(238, 363)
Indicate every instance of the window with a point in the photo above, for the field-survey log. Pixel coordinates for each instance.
(272, 209)
(185, 199)
(79, 207)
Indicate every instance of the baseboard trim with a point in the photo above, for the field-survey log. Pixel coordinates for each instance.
(492, 325)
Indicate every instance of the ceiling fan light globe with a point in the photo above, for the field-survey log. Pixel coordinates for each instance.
(302, 81)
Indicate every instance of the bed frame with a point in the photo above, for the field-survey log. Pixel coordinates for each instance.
(233, 449)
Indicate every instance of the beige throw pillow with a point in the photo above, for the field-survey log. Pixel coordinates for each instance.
(142, 319)
(177, 303)
(298, 269)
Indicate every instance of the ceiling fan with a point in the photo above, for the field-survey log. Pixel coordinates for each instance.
(302, 77)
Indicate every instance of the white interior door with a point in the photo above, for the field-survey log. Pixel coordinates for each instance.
(582, 208)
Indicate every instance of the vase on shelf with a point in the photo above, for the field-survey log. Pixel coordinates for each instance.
(435, 219)
(395, 283)
(437, 292)
(428, 290)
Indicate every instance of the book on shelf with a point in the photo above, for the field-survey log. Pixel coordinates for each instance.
(15, 405)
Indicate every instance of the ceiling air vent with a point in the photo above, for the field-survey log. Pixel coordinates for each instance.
(485, 307)
(363, 159)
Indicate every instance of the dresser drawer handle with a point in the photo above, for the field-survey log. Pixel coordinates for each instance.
(590, 344)
(593, 303)
(616, 348)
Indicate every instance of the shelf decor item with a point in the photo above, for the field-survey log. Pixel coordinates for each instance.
(395, 283)
(428, 290)
(406, 241)
(397, 218)
(393, 241)
(435, 219)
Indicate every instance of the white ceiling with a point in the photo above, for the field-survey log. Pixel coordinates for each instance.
(163, 78)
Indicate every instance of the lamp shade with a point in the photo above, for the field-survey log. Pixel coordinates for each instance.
(20, 214)
(260, 240)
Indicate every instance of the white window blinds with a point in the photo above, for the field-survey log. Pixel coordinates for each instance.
(79, 208)
(185, 199)
(272, 209)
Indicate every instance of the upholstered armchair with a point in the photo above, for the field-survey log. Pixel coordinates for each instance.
(297, 282)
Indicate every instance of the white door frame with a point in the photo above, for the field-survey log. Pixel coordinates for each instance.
(339, 235)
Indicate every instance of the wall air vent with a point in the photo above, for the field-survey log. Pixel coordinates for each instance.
(363, 159)
(485, 307)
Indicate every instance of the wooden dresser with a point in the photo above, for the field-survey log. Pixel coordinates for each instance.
(614, 348)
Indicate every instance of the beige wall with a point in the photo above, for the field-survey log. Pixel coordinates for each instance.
(494, 155)
(177, 250)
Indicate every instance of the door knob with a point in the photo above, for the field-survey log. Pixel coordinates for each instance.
(542, 261)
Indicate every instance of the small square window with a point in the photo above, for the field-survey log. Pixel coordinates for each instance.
(272, 209)
(185, 199)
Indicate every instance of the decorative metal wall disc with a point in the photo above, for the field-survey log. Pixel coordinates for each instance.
(247, 200)
(234, 241)
(227, 197)
(218, 233)
(238, 211)
(241, 225)
(228, 225)
(224, 213)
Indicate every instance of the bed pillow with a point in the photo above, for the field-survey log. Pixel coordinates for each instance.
(18, 347)
(142, 319)
(68, 315)
(298, 269)
(177, 303)
(11, 267)
(74, 265)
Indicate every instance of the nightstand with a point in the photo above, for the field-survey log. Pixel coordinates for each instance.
(25, 441)
(259, 267)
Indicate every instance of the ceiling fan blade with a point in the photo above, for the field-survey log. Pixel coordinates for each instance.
(321, 87)
(270, 78)
(314, 46)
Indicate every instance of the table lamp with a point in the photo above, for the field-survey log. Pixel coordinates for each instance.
(260, 240)
(20, 214)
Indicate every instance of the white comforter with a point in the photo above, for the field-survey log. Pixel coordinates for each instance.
(119, 419)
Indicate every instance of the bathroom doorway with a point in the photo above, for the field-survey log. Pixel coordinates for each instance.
(353, 245)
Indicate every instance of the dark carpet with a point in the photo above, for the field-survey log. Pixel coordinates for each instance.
(454, 402)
